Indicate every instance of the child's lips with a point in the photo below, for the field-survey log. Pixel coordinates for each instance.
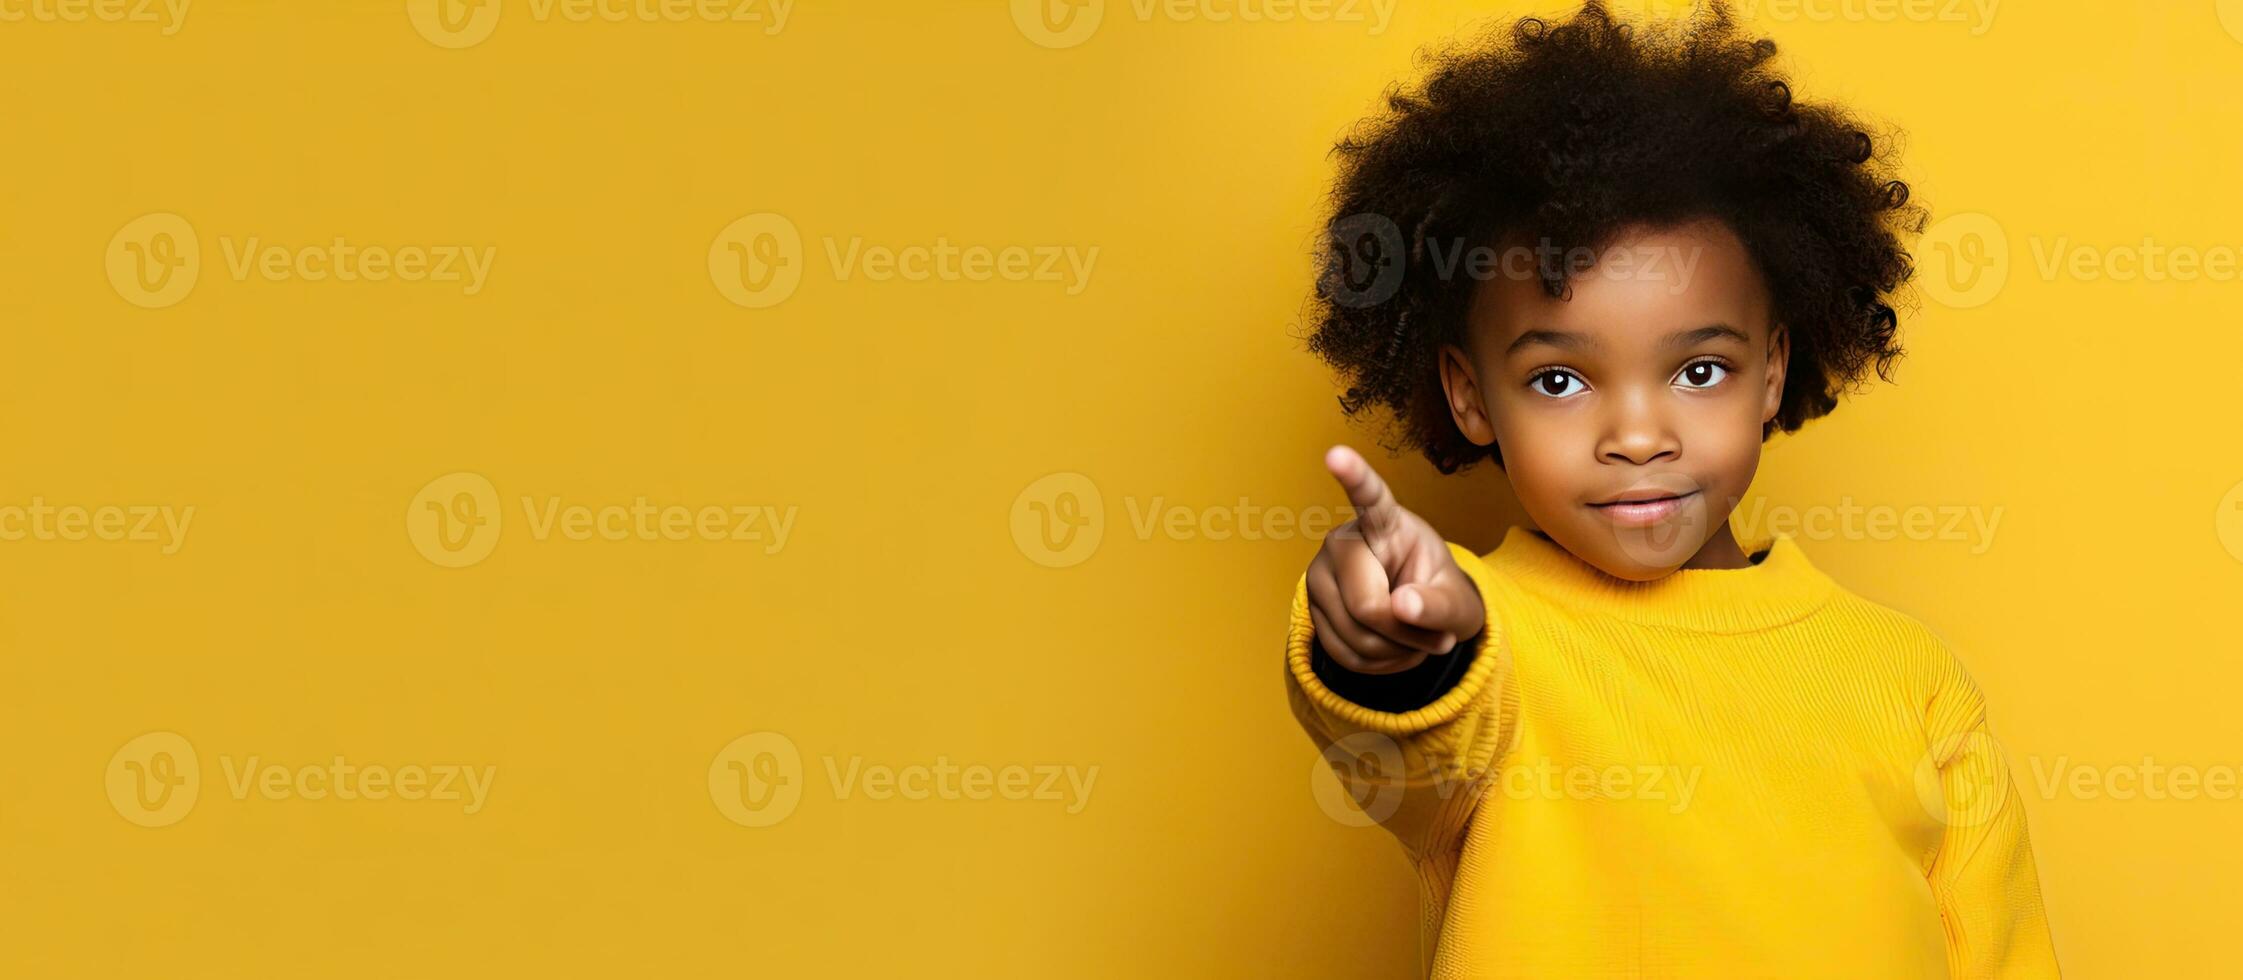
(1641, 512)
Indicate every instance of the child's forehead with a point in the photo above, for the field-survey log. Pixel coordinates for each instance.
(1637, 287)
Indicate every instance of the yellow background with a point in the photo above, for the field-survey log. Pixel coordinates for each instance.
(903, 623)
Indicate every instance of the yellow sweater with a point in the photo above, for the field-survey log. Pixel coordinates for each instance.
(1722, 773)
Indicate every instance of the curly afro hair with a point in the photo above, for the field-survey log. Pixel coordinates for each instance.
(1568, 133)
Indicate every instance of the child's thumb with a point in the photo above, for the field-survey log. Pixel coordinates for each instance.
(1441, 609)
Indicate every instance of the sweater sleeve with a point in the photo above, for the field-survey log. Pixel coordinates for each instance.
(1983, 876)
(1415, 770)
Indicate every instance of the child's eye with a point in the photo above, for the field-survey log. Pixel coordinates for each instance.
(1704, 374)
(1558, 383)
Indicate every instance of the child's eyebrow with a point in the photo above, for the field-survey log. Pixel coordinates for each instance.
(1570, 340)
(1692, 338)
(1566, 339)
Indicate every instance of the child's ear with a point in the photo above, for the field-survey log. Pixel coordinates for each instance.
(1462, 386)
(1779, 358)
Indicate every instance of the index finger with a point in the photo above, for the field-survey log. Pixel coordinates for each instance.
(1374, 504)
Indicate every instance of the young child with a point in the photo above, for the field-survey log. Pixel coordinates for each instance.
(1614, 259)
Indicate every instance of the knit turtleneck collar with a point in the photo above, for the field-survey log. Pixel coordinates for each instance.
(1782, 587)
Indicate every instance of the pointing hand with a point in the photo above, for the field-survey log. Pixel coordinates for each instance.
(1384, 591)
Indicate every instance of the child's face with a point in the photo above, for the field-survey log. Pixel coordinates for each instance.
(1654, 379)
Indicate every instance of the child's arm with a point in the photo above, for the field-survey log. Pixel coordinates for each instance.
(1988, 890)
(1390, 659)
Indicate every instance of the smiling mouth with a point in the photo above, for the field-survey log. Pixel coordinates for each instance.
(1644, 511)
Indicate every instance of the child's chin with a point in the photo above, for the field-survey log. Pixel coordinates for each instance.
(1639, 554)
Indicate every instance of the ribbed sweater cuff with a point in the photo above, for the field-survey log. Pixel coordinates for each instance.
(1406, 690)
(1411, 701)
